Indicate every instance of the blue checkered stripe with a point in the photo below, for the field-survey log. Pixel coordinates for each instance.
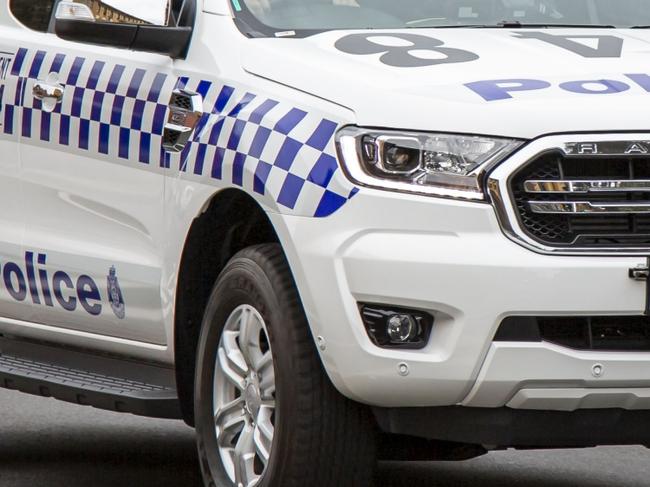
(108, 109)
(282, 155)
(269, 148)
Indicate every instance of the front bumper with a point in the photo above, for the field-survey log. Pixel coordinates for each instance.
(450, 258)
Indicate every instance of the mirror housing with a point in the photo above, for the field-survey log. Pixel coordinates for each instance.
(170, 41)
(78, 25)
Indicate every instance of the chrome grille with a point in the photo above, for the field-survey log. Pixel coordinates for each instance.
(584, 200)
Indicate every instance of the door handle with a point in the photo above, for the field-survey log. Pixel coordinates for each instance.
(49, 92)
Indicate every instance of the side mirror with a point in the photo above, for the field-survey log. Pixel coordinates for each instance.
(109, 26)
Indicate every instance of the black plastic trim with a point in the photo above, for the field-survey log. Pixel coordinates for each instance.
(505, 427)
(518, 329)
(102, 33)
(626, 333)
(110, 383)
(149, 39)
(173, 41)
(373, 314)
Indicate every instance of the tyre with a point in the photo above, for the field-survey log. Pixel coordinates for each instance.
(266, 413)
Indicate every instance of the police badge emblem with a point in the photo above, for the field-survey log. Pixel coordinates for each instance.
(115, 294)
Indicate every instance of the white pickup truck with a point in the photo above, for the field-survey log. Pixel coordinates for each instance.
(326, 232)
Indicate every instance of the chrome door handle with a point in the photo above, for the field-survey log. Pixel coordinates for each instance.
(49, 92)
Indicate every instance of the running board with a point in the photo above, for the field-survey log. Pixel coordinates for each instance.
(87, 379)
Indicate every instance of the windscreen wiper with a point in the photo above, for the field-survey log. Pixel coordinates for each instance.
(515, 24)
(451, 26)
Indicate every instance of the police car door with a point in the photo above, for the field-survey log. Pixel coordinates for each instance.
(90, 126)
(12, 301)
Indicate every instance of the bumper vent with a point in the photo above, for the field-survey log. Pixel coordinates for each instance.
(603, 333)
(587, 201)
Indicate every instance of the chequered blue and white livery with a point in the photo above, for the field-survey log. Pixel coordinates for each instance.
(281, 154)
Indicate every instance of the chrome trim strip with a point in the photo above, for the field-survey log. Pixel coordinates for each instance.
(586, 208)
(562, 186)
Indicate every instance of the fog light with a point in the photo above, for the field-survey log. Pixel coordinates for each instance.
(390, 327)
(401, 328)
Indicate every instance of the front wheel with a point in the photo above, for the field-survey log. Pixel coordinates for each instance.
(266, 413)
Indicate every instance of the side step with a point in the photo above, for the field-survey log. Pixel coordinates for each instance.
(90, 380)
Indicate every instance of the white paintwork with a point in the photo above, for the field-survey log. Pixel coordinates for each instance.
(446, 257)
(512, 367)
(385, 96)
(90, 211)
(55, 334)
(216, 7)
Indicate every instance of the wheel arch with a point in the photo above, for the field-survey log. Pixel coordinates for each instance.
(231, 221)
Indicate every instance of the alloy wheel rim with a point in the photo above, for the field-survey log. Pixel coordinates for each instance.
(244, 397)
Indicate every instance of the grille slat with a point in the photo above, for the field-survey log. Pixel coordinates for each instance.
(593, 215)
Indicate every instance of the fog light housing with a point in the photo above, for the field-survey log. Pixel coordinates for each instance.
(392, 327)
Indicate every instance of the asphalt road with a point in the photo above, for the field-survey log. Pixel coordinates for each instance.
(44, 443)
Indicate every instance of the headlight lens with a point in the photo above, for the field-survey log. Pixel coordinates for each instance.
(439, 164)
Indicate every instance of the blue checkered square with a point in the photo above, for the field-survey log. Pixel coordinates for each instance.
(290, 190)
(323, 171)
(288, 153)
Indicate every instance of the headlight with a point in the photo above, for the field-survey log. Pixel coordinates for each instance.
(438, 164)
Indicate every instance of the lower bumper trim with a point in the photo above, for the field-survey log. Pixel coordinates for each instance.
(505, 427)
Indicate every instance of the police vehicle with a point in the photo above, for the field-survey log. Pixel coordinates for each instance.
(327, 232)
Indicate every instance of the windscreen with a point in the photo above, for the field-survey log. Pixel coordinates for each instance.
(287, 15)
